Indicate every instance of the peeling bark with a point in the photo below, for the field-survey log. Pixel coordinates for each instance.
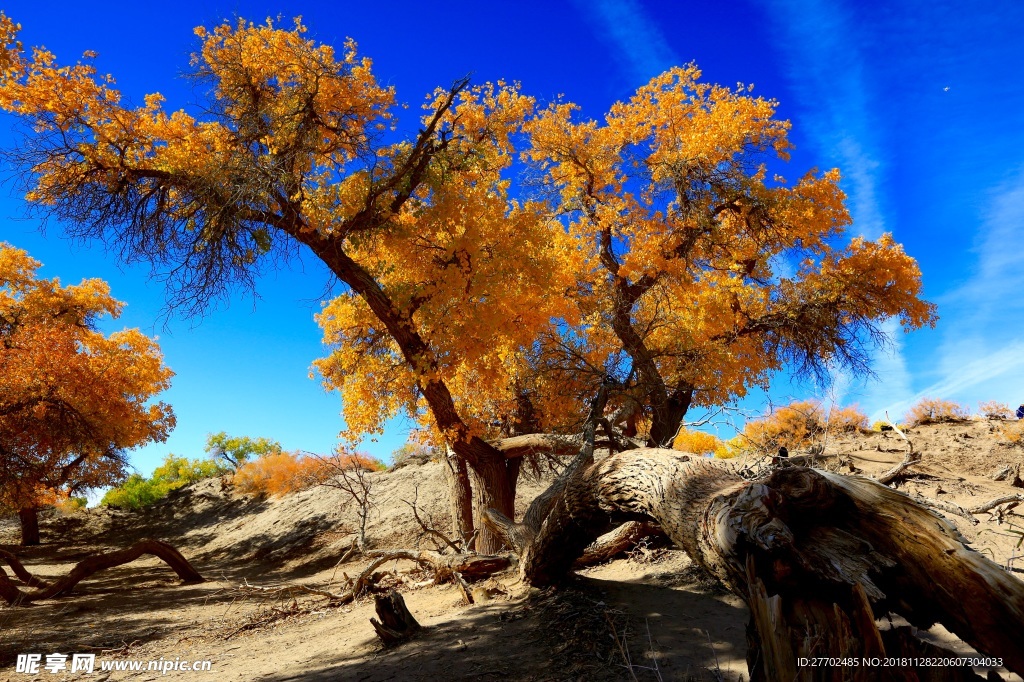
(817, 556)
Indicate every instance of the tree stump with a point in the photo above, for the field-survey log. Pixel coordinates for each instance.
(396, 624)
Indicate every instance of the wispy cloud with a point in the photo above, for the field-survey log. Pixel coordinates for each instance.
(995, 288)
(639, 41)
(998, 373)
(826, 74)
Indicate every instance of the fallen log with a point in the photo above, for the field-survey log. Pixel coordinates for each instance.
(818, 557)
(87, 567)
(619, 541)
(469, 566)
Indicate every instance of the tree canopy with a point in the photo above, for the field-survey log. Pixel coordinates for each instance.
(72, 399)
(652, 250)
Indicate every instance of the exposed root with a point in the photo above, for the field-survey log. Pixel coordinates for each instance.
(87, 567)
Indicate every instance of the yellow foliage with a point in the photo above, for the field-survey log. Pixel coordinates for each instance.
(278, 473)
(800, 424)
(71, 398)
(935, 410)
(697, 442)
(659, 237)
(992, 409)
(1013, 432)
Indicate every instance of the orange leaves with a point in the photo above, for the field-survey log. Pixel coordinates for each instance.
(279, 473)
(656, 249)
(289, 93)
(71, 399)
(935, 410)
(800, 424)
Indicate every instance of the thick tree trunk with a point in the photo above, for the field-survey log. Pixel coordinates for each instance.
(494, 489)
(460, 496)
(817, 556)
(668, 416)
(29, 517)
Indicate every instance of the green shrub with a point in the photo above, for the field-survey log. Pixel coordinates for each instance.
(136, 493)
(175, 472)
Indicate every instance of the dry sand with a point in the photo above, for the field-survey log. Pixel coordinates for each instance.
(654, 609)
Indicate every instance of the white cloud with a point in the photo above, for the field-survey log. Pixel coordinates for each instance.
(995, 376)
(826, 73)
(625, 24)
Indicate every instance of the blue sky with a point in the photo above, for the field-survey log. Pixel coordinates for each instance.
(919, 104)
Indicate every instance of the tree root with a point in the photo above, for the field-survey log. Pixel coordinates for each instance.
(87, 567)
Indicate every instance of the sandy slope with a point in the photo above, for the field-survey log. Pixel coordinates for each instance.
(652, 609)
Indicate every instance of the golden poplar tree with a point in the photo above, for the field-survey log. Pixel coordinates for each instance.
(72, 399)
(651, 254)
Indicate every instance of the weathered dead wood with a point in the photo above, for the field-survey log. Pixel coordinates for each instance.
(816, 555)
(93, 564)
(619, 541)
(992, 504)
(396, 623)
(899, 471)
(463, 587)
(20, 571)
(470, 566)
(521, 536)
(538, 444)
(947, 507)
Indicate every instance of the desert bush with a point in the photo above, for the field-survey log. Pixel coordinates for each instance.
(991, 409)
(847, 419)
(798, 425)
(71, 504)
(730, 448)
(934, 411)
(278, 473)
(696, 442)
(136, 493)
(409, 453)
(1013, 433)
(175, 472)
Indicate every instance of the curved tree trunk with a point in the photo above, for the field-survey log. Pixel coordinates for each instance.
(817, 557)
(85, 568)
(29, 517)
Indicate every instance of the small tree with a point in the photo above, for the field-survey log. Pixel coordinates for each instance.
(351, 475)
(235, 451)
(175, 472)
(992, 409)
(935, 411)
(72, 400)
(800, 425)
(278, 473)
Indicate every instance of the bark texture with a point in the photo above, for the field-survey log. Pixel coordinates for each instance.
(817, 556)
(29, 518)
(396, 623)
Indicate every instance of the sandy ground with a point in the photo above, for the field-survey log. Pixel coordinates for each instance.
(653, 611)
